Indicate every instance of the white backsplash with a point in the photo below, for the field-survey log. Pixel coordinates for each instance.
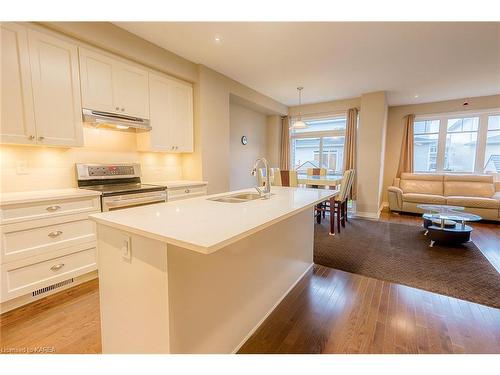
(54, 167)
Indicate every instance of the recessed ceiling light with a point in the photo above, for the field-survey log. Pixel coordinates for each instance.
(416, 96)
(218, 39)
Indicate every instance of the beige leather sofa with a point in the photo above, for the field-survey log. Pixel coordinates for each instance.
(479, 194)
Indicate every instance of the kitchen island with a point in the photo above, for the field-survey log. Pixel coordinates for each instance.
(200, 275)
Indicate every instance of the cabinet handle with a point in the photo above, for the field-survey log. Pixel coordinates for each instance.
(187, 191)
(117, 108)
(123, 109)
(57, 267)
(55, 234)
(41, 138)
(31, 137)
(176, 147)
(53, 208)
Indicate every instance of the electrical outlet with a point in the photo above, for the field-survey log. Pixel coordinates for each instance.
(22, 167)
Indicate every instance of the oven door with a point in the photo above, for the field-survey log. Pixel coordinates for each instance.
(118, 202)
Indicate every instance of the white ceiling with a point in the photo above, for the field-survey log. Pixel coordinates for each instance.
(332, 60)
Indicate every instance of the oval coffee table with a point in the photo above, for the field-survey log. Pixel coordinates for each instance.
(447, 224)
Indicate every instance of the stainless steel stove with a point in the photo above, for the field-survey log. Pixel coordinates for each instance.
(120, 185)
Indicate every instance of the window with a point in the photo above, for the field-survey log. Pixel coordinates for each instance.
(425, 141)
(463, 143)
(320, 145)
(492, 152)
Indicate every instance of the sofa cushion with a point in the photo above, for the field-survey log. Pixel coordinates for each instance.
(476, 202)
(468, 189)
(468, 177)
(424, 198)
(422, 184)
(422, 176)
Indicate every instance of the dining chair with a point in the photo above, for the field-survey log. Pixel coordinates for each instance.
(286, 178)
(261, 175)
(315, 172)
(339, 210)
(342, 199)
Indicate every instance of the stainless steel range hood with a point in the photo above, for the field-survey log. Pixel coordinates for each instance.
(113, 120)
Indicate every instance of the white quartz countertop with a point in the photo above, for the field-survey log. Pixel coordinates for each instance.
(177, 183)
(44, 195)
(206, 226)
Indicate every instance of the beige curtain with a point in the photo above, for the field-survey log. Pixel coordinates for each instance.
(285, 144)
(350, 146)
(406, 156)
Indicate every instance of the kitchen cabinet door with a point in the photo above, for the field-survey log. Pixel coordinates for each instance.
(56, 90)
(158, 138)
(18, 118)
(131, 90)
(98, 77)
(171, 116)
(181, 116)
(111, 85)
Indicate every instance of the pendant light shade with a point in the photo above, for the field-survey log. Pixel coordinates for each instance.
(299, 124)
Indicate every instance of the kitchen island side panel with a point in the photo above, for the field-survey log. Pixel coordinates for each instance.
(133, 293)
(217, 300)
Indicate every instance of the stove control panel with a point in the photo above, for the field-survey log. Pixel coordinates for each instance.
(103, 171)
(113, 170)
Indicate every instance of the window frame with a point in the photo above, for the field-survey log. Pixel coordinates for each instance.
(317, 134)
(482, 133)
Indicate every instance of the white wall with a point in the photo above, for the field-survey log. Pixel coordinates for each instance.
(273, 140)
(213, 94)
(245, 121)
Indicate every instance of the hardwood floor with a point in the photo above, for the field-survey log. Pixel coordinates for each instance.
(332, 311)
(329, 311)
(65, 322)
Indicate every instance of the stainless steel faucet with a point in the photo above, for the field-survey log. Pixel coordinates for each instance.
(266, 192)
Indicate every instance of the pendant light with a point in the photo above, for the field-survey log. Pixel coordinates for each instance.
(299, 124)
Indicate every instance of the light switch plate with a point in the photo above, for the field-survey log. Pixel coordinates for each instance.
(126, 248)
(22, 167)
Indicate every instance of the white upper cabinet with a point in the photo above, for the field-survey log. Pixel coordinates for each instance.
(97, 80)
(110, 85)
(171, 116)
(181, 117)
(56, 90)
(40, 89)
(18, 118)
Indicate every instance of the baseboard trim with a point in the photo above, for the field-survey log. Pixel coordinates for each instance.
(252, 331)
(371, 215)
(367, 215)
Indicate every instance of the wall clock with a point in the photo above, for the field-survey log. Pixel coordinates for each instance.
(244, 140)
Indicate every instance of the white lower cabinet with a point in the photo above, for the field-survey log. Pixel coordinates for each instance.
(45, 245)
(18, 279)
(185, 192)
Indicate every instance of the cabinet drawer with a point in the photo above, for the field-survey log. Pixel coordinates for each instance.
(186, 192)
(22, 240)
(11, 213)
(26, 279)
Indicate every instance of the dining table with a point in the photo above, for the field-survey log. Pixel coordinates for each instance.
(315, 180)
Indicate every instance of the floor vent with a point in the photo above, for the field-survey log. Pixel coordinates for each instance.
(51, 287)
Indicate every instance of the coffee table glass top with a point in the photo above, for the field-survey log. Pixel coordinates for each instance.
(444, 212)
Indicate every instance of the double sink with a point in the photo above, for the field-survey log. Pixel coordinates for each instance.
(237, 198)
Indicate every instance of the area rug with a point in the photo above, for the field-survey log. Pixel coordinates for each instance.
(400, 253)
